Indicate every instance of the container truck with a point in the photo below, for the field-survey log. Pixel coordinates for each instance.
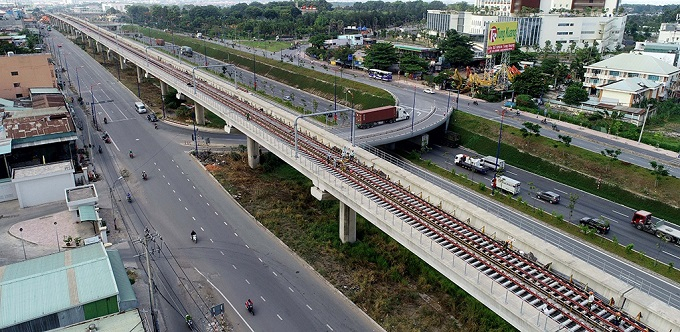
(507, 184)
(490, 162)
(467, 162)
(377, 116)
(160, 42)
(642, 220)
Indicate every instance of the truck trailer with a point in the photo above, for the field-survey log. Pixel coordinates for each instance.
(642, 220)
(160, 42)
(377, 116)
(467, 162)
(510, 186)
(186, 51)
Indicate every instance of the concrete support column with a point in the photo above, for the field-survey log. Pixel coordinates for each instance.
(98, 47)
(348, 224)
(164, 88)
(253, 153)
(89, 42)
(200, 114)
(122, 63)
(108, 54)
(139, 74)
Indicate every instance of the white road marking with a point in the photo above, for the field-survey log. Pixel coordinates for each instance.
(225, 223)
(164, 177)
(182, 173)
(277, 315)
(260, 260)
(216, 213)
(194, 218)
(186, 208)
(263, 300)
(310, 308)
(159, 169)
(619, 213)
(154, 163)
(222, 253)
(247, 246)
(194, 187)
(179, 199)
(136, 139)
(177, 166)
(211, 241)
(200, 195)
(225, 298)
(247, 282)
(234, 266)
(562, 191)
(207, 203)
(173, 191)
(202, 229)
(115, 145)
(187, 180)
(669, 254)
(236, 234)
(329, 327)
(513, 173)
(168, 182)
(291, 290)
(275, 273)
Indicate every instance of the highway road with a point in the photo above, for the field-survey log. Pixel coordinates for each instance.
(234, 257)
(655, 286)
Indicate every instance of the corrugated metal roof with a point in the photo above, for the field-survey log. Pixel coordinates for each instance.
(86, 213)
(637, 63)
(633, 84)
(54, 283)
(128, 321)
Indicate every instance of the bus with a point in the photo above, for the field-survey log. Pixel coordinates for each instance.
(380, 75)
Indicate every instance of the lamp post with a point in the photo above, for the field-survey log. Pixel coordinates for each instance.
(94, 114)
(335, 91)
(254, 75)
(498, 152)
(56, 233)
(78, 79)
(205, 52)
(413, 114)
(21, 231)
(643, 122)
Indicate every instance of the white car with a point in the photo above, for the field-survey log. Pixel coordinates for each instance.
(428, 90)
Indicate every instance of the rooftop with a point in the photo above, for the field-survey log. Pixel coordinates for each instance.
(128, 321)
(31, 126)
(632, 84)
(38, 170)
(637, 63)
(42, 286)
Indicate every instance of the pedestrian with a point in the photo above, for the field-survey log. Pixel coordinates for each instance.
(591, 299)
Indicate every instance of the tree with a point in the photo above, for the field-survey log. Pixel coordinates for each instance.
(530, 82)
(411, 63)
(612, 154)
(530, 129)
(318, 40)
(565, 139)
(612, 117)
(573, 198)
(457, 49)
(658, 171)
(575, 94)
(525, 101)
(380, 56)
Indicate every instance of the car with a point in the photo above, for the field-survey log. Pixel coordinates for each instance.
(287, 98)
(548, 196)
(152, 117)
(601, 225)
(428, 90)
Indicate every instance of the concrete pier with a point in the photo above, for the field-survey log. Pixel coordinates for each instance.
(348, 224)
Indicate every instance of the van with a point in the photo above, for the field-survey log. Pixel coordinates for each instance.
(140, 108)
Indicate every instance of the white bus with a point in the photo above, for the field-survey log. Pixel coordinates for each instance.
(380, 74)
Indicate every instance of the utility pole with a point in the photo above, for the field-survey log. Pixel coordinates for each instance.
(148, 237)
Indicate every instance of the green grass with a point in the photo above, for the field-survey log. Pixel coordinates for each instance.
(214, 121)
(268, 45)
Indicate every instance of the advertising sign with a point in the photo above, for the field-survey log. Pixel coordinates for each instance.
(501, 37)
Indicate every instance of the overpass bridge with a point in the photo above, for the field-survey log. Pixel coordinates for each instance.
(532, 284)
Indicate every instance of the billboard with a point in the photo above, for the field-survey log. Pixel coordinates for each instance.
(501, 37)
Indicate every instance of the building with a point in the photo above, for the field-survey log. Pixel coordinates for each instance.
(669, 33)
(20, 72)
(514, 7)
(64, 288)
(666, 52)
(628, 92)
(630, 65)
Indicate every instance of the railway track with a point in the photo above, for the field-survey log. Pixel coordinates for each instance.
(564, 301)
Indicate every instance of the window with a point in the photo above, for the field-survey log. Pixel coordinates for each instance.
(15, 73)
(594, 80)
(614, 73)
(633, 74)
(653, 77)
(16, 85)
(562, 33)
(587, 32)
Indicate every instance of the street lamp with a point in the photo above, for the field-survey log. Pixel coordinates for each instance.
(413, 115)
(21, 231)
(498, 152)
(94, 114)
(78, 79)
(56, 232)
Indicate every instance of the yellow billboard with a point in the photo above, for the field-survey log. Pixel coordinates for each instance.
(501, 37)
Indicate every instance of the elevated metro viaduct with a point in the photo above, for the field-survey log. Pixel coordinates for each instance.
(518, 308)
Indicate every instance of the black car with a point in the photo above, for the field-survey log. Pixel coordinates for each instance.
(548, 196)
(151, 117)
(602, 226)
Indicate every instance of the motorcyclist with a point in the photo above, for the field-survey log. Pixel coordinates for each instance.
(105, 120)
(129, 197)
(188, 319)
(155, 126)
(144, 175)
(100, 149)
(193, 235)
(131, 154)
(249, 305)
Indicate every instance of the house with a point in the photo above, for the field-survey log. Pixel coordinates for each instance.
(64, 288)
(628, 92)
(628, 65)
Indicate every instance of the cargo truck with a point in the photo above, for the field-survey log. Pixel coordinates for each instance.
(642, 220)
(377, 116)
(510, 186)
(160, 42)
(467, 162)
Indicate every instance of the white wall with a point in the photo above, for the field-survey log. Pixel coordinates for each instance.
(43, 189)
(7, 191)
(581, 29)
(622, 97)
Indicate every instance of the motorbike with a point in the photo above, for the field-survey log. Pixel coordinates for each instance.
(131, 155)
(517, 113)
(475, 103)
(194, 238)
(190, 322)
(554, 127)
(155, 126)
(129, 198)
(544, 121)
(144, 176)
(106, 138)
(100, 149)
(106, 121)
(249, 306)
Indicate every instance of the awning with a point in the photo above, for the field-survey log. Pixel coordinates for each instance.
(87, 213)
(6, 146)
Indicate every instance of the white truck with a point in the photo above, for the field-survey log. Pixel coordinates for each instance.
(490, 162)
(508, 185)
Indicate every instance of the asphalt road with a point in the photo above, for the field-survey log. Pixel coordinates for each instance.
(235, 255)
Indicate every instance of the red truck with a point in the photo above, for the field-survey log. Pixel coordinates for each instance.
(160, 42)
(642, 220)
(376, 116)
